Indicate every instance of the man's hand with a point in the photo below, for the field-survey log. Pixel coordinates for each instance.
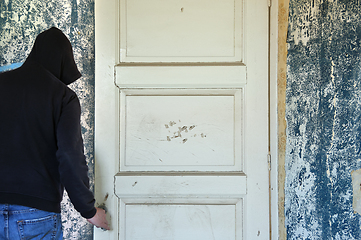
(99, 220)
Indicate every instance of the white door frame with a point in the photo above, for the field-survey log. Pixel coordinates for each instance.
(273, 115)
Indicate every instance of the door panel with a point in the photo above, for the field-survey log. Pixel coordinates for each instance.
(181, 31)
(179, 75)
(182, 221)
(181, 131)
(180, 185)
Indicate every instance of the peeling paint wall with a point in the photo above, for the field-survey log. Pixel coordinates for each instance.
(283, 12)
(20, 22)
(323, 114)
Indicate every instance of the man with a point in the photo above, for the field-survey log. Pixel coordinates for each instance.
(41, 146)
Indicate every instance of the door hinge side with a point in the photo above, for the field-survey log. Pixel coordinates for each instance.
(269, 162)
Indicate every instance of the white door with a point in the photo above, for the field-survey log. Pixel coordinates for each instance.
(181, 128)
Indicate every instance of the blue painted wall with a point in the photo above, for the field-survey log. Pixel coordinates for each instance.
(323, 113)
(20, 22)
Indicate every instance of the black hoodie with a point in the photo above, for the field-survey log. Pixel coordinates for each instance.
(41, 146)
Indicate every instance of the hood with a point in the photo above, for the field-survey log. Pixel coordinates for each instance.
(53, 51)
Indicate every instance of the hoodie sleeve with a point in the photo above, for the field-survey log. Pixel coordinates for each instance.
(73, 168)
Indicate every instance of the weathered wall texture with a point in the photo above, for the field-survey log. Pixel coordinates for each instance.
(283, 7)
(20, 22)
(323, 114)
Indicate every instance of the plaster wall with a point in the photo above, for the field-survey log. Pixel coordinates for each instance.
(323, 113)
(20, 22)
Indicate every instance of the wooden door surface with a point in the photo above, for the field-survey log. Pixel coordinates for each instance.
(181, 128)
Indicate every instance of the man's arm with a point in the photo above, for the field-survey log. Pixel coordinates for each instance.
(73, 169)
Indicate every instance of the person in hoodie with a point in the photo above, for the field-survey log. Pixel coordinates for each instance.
(41, 146)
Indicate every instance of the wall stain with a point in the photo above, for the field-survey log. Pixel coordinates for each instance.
(323, 109)
(283, 13)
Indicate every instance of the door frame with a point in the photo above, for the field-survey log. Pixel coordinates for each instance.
(273, 116)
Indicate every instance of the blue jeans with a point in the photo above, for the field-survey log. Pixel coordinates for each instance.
(20, 223)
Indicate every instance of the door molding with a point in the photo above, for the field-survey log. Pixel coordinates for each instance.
(273, 117)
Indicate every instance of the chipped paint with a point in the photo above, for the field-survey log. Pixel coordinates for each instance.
(183, 132)
(323, 108)
(356, 187)
(20, 22)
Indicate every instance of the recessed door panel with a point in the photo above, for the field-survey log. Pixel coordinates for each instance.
(181, 30)
(181, 130)
(182, 221)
